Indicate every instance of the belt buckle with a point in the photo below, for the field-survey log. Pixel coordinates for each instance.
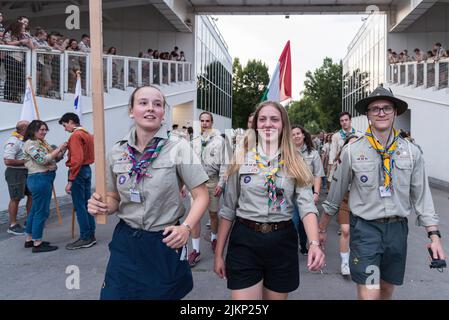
(265, 228)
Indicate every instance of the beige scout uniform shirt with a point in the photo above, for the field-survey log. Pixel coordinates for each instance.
(313, 160)
(37, 158)
(13, 151)
(213, 156)
(161, 204)
(337, 144)
(246, 195)
(361, 167)
(335, 147)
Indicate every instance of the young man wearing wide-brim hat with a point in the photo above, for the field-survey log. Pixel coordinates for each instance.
(387, 178)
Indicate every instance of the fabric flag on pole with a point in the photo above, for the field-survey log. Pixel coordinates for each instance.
(280, 86)
(28, 107)
(77, 102)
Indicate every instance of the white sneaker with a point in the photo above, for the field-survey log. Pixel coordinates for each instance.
(208, 224)
(345, 269)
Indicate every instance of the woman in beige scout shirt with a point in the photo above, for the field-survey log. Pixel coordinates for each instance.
(145, 173)
(267, 178)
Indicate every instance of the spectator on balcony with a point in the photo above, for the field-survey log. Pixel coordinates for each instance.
(407, 58)
(2, 28)
(74, 64)
(26, 23)
(149, 54)
(73, 45)
(164, 56)
(155, 54)
(112, 50)
(84, 44)
(52, 41)
(15, 61)
(394, 58)
(439, 51)
(389, 55)
(430, 56)
(43, 69)
(419, 55)
(181, 56)
(174, 54)
(40, 40)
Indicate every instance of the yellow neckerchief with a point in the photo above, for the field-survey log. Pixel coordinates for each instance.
(270, 178)
(17, 135)
(45, 145)
(80, 128)
(385, 154)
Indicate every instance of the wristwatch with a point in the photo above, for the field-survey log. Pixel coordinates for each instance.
(314, 243)
(316, 193)
(434, 233)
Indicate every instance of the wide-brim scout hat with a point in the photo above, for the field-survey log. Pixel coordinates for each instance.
(381, 94)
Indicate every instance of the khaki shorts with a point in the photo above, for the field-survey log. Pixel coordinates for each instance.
(211, 184)
(17, 183)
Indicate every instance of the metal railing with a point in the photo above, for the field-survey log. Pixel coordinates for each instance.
(54, 73)
(423, 74)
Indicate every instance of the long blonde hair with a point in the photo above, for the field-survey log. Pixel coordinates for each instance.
(294, 164)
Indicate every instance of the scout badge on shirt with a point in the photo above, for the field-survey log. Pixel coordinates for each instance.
(276, 198)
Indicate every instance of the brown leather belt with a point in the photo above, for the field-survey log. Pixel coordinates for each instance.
(265, 227)
(389, 219)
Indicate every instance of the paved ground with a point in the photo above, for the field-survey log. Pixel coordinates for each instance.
(43, 276)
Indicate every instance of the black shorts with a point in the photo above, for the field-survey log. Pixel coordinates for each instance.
(378, 251)
(254, 256)
(16, 179)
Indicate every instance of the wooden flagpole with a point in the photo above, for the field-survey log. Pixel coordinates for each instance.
(96, 67)
(58, 210)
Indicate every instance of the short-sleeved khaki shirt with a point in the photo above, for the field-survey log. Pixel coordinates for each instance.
(13, 150)
(161, 204)
(313, 160)
(246, 195)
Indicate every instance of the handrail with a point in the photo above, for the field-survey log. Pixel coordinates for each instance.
(428, 74)
(54, 72)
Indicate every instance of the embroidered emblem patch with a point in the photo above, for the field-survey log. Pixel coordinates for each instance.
(364, 178)
(362, 157)
(122, 179)
(247, 179)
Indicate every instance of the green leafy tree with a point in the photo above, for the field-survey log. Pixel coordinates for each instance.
(323, 94)
(249, 84)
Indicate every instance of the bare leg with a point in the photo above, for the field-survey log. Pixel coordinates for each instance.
(273, 295)
(13, 207)
(344, 238)
(386, 290)
(213, 222)
(252, 293)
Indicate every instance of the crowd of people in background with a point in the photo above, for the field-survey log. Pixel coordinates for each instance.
(435, 54)
(19, 34)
